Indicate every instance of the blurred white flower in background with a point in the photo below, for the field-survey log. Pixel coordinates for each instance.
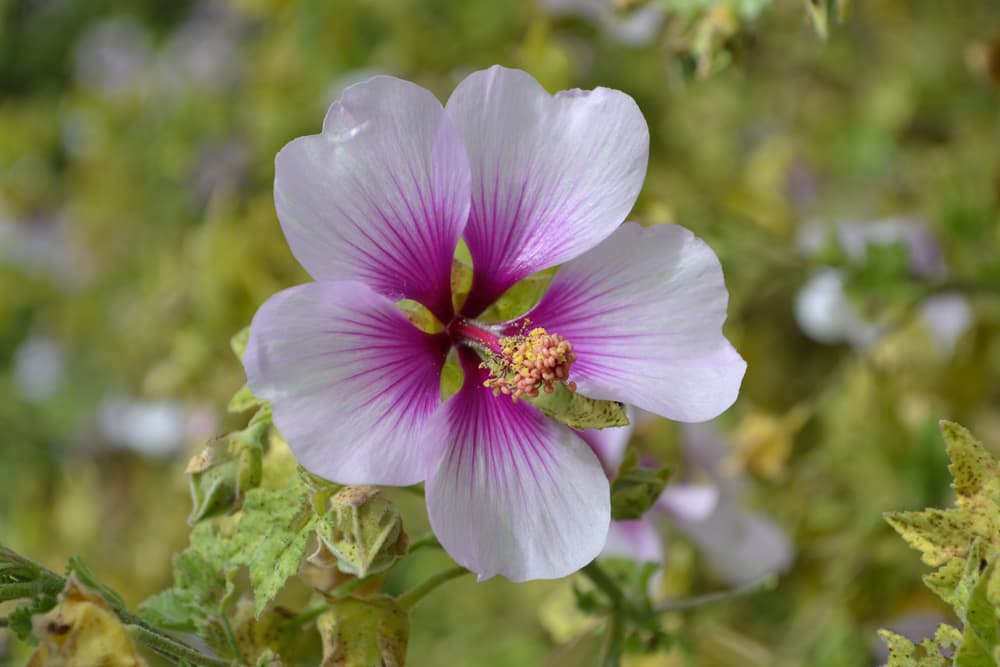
(41, 246)
(826, 313)
(152, 428)
(112, 55)
(203, 50)
(39, 367)
(632, 27)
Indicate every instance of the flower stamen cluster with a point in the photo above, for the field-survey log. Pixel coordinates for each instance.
(531, 363)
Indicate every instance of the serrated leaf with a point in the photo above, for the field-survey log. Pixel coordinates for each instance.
(634, 489)
(272, 536)
(929, 653)
(203, 583)
(945, 537)
(577, 411)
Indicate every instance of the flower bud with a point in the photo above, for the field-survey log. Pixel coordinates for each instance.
(365, 532)
(364, 633)
(223, 472)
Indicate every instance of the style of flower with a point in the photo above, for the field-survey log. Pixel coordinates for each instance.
(824, 310)
(740, 544)
(374, 208)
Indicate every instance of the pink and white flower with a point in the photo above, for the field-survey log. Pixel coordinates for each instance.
(374, 207)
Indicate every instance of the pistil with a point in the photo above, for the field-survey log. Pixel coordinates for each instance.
(520, 365)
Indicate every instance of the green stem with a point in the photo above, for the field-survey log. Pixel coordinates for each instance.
(611, 653)
(173, 649)
(411, 597)
(423, 542)
(307, 616)
(754, 586)
(347, 588)
(608, 586)
(4, 622)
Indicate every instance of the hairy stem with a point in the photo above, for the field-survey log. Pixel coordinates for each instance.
(173, 649)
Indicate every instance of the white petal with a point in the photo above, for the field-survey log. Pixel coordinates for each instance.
(551, 175)
(516, 494)
(354, 386)
(381, 196)
(644, 313)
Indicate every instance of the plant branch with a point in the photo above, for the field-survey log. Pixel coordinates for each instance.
(755, 586)
(611, 652)
(411, 597)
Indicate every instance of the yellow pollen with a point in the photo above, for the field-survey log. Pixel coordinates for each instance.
(531, 363)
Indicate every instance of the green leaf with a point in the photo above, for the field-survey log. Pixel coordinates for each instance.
(272, 535)
(203, 583)
(577, 411)
(635, 489)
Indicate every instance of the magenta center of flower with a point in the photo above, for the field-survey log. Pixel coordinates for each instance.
(520, 365)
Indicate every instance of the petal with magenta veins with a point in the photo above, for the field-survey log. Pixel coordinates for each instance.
(381, 196)
(516, 494)
(552, 175)
(644, 313)
(354, 386)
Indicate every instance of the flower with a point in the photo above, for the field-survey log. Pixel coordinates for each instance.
(825, 312)
(740, 544)
(374, 207)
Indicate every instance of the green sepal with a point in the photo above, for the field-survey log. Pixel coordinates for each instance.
(243, 400)
(239, 341)
(577, 411)
(635, 489)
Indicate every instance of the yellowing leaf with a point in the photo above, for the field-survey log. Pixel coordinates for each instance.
(82, 631)
(929, 653)
(944, 537)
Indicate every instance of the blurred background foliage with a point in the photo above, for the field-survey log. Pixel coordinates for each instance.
(137, 234)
